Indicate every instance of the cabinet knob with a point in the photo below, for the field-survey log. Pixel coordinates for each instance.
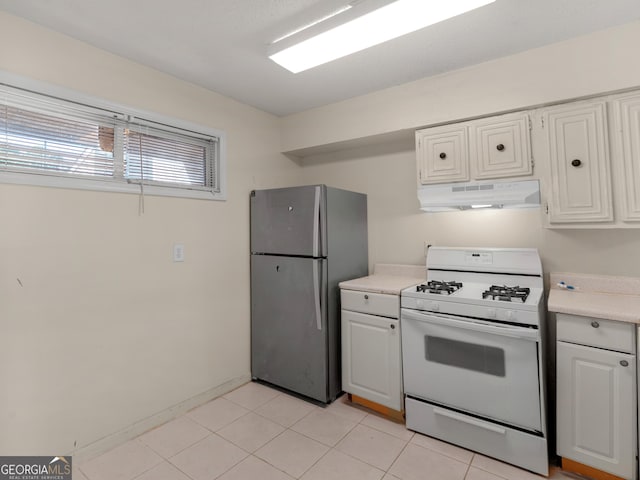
(393, 327)
(443, 155)
(576, 163)
(366, 297)
(595, 324)
(500, 147)
(624, 363)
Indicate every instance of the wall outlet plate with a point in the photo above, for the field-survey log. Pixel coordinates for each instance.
(178, 252)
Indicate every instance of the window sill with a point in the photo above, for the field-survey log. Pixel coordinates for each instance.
(42, 180)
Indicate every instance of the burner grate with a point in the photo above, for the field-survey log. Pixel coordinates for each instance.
(436, 286)
(507, 294)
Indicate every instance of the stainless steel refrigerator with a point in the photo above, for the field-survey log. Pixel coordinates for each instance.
(304, 240)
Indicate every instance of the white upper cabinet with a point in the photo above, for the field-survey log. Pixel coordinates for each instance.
(500, 147)
(626, 110)
(443, 154)
(578, 156)
(489, 148)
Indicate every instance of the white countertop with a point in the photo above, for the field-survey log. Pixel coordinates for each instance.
(388, 279)
(599, 296)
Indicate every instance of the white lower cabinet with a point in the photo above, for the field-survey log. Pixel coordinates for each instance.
(371, 356)
(596, 395)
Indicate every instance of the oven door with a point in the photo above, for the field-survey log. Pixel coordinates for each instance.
(480, 367)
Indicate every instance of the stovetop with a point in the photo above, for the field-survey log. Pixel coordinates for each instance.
(493, 284)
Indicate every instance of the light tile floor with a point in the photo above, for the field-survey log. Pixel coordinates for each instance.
(256, 432)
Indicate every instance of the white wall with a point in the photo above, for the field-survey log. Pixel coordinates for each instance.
(398, 229)
(600, 62)
(386, 172)
(100, 330)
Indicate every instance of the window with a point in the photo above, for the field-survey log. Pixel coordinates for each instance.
(50, 141)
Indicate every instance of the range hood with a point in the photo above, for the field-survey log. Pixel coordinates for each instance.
(494, 194)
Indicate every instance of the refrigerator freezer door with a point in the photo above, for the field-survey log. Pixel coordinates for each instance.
(287, 221)
(288, 324)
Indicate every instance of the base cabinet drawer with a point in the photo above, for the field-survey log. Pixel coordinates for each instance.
(596, 332)
(374, 303)
(490, 439)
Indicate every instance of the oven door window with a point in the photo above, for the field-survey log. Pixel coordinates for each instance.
(470, 356)
(484, 370)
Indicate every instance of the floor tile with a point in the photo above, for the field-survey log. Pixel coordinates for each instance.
(371, 446)
(292, 453)
(122, 463)
(477, 474)
(163, 471)
(324, 427)
(252, 468)
(251, 395)
(501, 469)
(285, 409)
(444, 448)
(338, 466)
(344, 408)
(172, 437)
(217, 413)
(387, 426)
(251, 431)
(414, 461)
(208, 458)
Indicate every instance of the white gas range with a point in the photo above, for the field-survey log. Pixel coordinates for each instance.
(473, 353)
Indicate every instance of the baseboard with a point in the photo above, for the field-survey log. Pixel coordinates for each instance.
(395, 415)
(585, 470)
(104, 444)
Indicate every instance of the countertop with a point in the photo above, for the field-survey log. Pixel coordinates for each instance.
(599, 296)
(388, 279)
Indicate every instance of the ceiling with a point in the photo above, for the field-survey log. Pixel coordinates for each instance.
(222, 44)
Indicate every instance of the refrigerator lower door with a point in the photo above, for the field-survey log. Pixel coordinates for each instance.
(289, 344)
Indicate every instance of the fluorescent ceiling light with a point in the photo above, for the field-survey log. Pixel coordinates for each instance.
(385, 23)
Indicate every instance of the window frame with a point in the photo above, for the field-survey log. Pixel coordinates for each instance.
(116, 185)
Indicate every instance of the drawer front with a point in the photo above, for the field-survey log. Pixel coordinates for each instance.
(501, 442)
(373, 303)
(596, 332)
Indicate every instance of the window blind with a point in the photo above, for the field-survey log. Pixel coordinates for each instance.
(50, 136)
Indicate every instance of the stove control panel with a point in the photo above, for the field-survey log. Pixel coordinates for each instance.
(478, 258)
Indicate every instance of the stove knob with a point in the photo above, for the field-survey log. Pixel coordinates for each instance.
(491, 313)
(419, 303)
(435, 307)
(511, 315)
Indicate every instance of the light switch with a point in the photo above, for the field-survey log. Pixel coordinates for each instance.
(178, 252)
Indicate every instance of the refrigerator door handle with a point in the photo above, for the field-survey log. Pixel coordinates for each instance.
(316, 294)
(316, 222)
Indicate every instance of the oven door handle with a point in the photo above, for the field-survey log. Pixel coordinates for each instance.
(473, 324)
(469, 421)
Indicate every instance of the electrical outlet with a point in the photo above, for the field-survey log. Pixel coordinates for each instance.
(178, 252)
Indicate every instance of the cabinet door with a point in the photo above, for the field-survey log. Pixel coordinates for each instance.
(501, 147)
(371, 366)
(578, 152)
(596, 408)
(627, 115)
(442, 154)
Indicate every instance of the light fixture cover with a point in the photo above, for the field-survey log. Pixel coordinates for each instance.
(385, 23)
